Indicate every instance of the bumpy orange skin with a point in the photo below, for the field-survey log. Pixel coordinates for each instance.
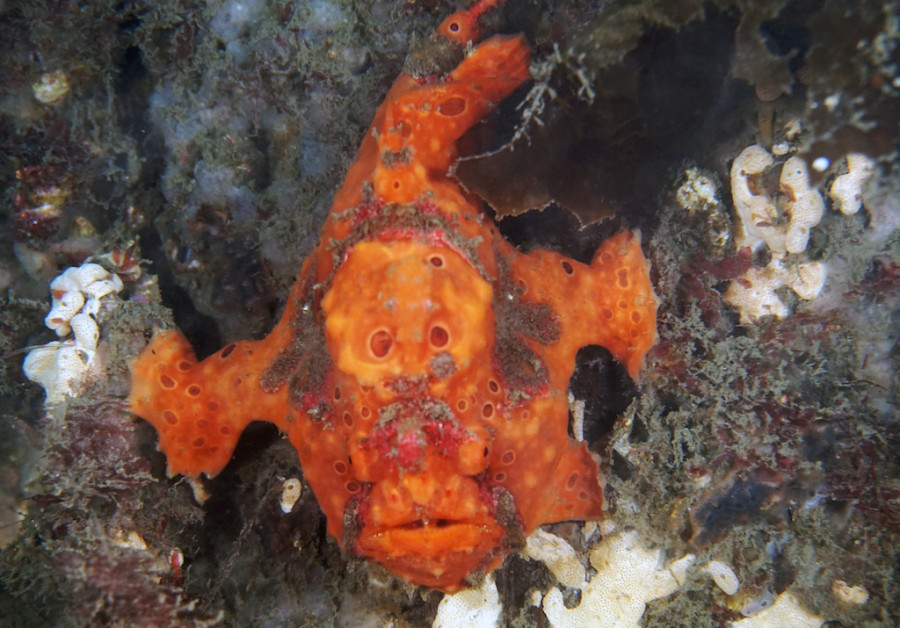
(421, 365)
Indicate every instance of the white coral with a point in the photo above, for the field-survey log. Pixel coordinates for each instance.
(757, 213)
(477, 608)
(559, 556)
(76, 290)
(628, 577)
(787, 611)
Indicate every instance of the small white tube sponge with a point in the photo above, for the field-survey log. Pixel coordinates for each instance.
(846, 191)
(757, 214)
(804, 204)
(783, 227)
(723, 575)
(58, 367)
(754, 294)
(78, 294)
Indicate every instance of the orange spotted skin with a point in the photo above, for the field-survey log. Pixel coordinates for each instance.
(421, 365)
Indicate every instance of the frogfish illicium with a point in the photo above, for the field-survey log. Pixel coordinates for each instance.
(422, 363)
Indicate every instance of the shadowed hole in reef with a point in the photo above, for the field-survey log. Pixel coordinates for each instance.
(743, 500)
(518, 577)
(243, 291)
(201, 330)
(243, 528)
(604, 386)
(557, 229)
(222, 520)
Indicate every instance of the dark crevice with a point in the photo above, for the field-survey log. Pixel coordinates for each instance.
(200, 330)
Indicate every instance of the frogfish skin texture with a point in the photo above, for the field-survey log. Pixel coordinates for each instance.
(421, 365)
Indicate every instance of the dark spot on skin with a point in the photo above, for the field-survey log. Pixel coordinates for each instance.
(438, 336)
(305, 363)
(516, 318)
(391, 159)
(521, 367)
(380, 343)
(442, 365)
(507, 515)
(452, 107)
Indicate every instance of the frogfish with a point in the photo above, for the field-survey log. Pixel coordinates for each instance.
(421, 365)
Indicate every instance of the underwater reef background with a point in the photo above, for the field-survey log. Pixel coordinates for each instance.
(753, 468)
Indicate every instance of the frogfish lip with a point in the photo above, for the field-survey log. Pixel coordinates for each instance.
(437, 553)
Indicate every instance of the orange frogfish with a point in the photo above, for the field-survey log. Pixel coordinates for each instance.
(421, 365)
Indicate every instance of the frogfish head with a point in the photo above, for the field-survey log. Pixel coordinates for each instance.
(410, 327)
(407, 310)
